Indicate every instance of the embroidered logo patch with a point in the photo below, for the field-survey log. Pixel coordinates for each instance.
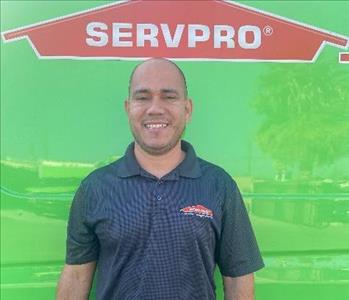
(197, 210)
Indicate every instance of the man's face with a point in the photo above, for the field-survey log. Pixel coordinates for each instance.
(157, 107)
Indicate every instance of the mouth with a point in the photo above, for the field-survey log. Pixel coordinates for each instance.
(157, 125)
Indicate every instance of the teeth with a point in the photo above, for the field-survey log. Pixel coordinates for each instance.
(151, 126)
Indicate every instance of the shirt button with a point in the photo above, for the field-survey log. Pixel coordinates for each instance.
(158, 197)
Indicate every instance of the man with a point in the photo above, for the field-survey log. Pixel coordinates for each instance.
(157, 221)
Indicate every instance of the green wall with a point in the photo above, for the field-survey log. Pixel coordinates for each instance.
(280, 129)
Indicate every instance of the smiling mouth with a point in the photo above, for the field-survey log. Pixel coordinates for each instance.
(156, 125)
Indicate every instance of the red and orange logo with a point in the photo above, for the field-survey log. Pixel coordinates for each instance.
(197, 210)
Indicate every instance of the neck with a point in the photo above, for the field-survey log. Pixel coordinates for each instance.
(159, 165)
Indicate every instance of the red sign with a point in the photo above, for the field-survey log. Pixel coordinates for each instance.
(213, 30)
(344, 58)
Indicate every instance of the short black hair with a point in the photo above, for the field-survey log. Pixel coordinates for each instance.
(164, 59)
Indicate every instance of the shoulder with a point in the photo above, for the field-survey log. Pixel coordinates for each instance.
(102, 175)
(95, 187)
(216, 173)
(224, 186)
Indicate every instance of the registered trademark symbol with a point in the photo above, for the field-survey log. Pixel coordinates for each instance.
(268, 30)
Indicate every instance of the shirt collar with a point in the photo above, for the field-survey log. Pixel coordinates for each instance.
(189, 167)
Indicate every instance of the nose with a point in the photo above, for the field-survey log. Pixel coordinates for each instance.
(156, 106)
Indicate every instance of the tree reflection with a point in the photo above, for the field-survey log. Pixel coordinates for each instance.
(305, 110)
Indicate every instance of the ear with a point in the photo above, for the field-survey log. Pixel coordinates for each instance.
(127, 105)
(189, 109)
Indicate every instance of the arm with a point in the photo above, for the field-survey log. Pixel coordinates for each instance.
(239, 288)
(75, 282)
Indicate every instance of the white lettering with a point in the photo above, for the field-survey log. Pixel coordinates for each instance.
(227, 38)
(117, 34)
(102, 37)
(193, 37)
(151, 36)
(172, 42)
(257, 38)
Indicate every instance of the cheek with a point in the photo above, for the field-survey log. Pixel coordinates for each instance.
(134, 114)
(184, 116)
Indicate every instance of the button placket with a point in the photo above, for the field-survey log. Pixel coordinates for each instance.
(157, 192)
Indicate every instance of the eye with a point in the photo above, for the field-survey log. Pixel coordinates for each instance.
(170, 97)
(141, 98)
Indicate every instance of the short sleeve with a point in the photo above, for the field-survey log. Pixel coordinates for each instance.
(82, 242)
(237, 252)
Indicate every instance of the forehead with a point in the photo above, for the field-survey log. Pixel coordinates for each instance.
(157, 75)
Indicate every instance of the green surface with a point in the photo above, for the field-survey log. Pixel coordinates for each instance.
(281, 130)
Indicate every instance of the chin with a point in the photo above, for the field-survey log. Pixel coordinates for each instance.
(157, 148)
(154, 146)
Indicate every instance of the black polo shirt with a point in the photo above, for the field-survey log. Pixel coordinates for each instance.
(161, 238)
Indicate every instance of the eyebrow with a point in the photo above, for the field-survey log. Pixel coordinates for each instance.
(169, 91)
(144, 90)
(141, 91)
